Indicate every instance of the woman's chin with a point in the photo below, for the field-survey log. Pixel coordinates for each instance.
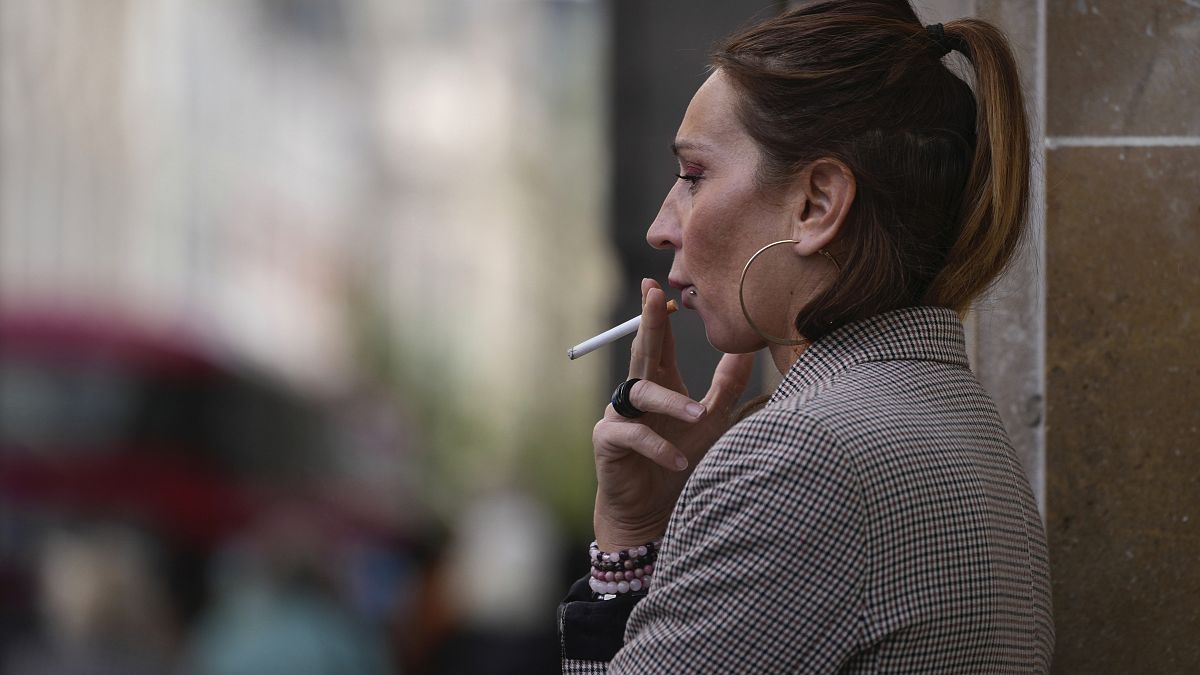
(733, 341)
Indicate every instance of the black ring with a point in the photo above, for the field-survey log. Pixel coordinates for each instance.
(621, 402)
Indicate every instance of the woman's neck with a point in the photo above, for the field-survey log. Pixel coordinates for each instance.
(785, 356)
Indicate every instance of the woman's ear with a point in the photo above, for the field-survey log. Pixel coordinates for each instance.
(825, 191)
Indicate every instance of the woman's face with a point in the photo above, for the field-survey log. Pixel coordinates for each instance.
(716, 217)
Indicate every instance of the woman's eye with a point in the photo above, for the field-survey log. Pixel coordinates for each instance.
(692, 178)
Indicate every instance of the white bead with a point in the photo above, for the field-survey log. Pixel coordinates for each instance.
(610, 587)
(622, 586)
(594, 585)
(635, 585)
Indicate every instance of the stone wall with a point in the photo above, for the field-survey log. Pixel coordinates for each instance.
(1122, 325)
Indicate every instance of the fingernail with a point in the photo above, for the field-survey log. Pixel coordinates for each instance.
(695, 410)
(681, 462)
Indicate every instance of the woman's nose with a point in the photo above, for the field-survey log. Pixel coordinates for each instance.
(664, 231)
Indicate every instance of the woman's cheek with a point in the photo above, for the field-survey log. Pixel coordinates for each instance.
(700, 244)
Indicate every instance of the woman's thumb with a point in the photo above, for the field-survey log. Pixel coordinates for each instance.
(729, 381)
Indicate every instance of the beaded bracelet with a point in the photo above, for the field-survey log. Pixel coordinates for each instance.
(623, 571)
(623, 559)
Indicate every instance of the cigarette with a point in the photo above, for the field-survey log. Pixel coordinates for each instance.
(612, 334)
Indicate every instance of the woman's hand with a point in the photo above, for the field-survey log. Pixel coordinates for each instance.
(642, 463)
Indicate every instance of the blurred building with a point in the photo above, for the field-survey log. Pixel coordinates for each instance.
(388, 216)
(406, 194)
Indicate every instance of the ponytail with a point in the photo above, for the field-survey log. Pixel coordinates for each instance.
(992, 219)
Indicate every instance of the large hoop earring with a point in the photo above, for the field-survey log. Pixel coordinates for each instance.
(742, 294)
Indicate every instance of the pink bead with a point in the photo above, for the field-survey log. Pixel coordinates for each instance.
(622, 587)
(608, 576)
(638, 573)
(628, 564)
(649, 568)
(633, 552)
(641, 551)
(635, 585)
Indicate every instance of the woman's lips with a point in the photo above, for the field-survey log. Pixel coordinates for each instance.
(687, 291)
(687, 296)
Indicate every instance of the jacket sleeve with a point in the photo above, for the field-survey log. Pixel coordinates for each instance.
(591, 631)
(763, 563)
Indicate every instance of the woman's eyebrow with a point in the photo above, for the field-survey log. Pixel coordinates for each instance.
(677, 145)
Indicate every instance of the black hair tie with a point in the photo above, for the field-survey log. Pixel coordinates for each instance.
(945, 43)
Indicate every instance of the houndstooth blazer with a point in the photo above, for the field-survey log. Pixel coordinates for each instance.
(872, 518)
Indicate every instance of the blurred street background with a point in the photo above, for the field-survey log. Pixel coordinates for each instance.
(285, 292)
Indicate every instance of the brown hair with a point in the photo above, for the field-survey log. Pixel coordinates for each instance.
(942, 182)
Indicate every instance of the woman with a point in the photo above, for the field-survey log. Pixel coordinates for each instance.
(842, 198)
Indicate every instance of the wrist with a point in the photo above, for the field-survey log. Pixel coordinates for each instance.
(615, 536)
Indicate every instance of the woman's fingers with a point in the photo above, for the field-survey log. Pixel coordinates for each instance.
(729, 381)
(668, 363)
(652, 355)
(652, 397)
(641, 439)
(647, 345)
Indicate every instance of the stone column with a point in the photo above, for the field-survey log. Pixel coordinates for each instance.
(1122, 329)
